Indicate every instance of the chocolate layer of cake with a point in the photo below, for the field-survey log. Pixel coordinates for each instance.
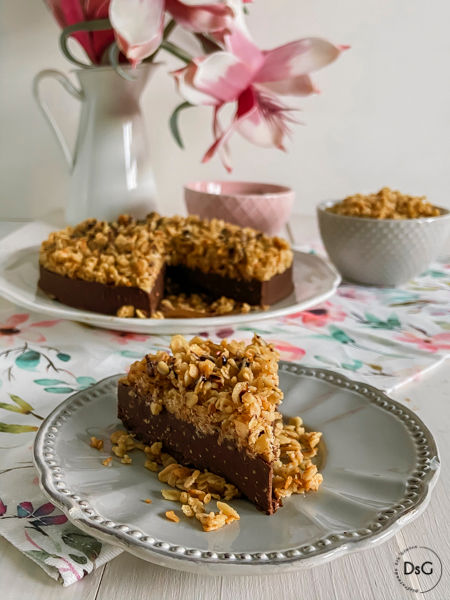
(99, 297)
(252, 291)
(252, 476)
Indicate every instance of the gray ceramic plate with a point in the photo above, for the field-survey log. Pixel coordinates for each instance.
(378, 459)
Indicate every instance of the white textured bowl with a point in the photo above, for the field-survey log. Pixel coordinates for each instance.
(381, 251)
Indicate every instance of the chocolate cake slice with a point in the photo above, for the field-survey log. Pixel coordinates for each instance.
(222, 259)
(111, 268)
(214, 407)
(121, 268)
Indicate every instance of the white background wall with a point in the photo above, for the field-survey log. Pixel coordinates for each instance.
(383, 117)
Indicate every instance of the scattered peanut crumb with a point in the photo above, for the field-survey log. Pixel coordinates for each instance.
(171, 516)
(126, 460)
(96, 443)
(107, 461)
(294, 473)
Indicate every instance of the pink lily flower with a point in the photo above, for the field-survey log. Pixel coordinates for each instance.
(138, 24)
(69, 12)
(254, 79)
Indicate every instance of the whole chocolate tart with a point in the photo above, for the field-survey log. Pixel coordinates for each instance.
(215, 407)
(121, 268)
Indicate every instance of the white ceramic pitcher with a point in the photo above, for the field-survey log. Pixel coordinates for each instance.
(110, 165)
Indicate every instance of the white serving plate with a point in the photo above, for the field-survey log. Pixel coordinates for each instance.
(378, 459)
(315, 281)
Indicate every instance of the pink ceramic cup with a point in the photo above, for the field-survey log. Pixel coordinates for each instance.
(263, 206)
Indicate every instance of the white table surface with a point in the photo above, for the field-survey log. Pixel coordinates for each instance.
(360, 576)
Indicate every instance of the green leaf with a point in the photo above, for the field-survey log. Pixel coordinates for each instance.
(340, 335)
(81, 560)
(254, 330)
(49, 382)
(326, 360)
(393, 321)
(10, 407)
(131, 354)
(85, 381)
(28, 360)
(10, 428)
(372, 319)
(354, 366)
(173, 122)
(435, 274)
(62, 356)
(82, 542)
(24, 405)
(39, 555)
(58, 390)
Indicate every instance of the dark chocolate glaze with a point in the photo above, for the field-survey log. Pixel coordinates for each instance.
(251, 475)
(107, 299)
(99, 297)
(252, 291)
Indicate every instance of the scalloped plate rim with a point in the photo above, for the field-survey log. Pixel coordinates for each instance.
(169, 558)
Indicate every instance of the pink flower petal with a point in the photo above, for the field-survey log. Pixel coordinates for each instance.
(100, 40)
(241, 46)
(201, 17)
(224, 150)
(53, 520)
(266, 124)
(184, 79)
(201, 2)
(15, 320)
(45, 509)
(69, 12)
(222, 76)
(301, 85)
(246, 105)
(297, 58)
(45, 323)
(138, 25)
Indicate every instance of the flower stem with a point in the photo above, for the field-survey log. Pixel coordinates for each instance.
(94, 25)
(176, 51)
(166, 33)
(37, 416)
(208, 44)
(169, 28)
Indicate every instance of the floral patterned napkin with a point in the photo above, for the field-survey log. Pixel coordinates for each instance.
(384, 337)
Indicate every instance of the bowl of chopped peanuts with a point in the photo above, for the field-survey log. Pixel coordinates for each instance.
(382, 239)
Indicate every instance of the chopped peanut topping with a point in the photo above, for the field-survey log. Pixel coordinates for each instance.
(229, 388)
(95, 443)
(386, 204)
(171, 516)
(132, 253)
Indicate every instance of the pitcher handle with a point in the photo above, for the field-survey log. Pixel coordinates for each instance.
(73, 91)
